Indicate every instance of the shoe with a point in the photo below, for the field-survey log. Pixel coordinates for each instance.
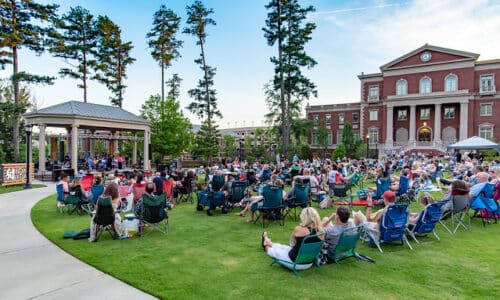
(263, 239)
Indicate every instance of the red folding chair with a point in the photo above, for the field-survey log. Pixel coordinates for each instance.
(138, 189)
(168, 187)
(86, 182)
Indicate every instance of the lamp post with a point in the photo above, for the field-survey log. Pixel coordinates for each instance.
(28, 128)
(367, 144)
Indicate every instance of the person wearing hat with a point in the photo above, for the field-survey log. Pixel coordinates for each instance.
(372, 220)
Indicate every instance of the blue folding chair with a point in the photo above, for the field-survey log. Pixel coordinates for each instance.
(485, 205)
(392, 226)
(426, 222)
(96, 191)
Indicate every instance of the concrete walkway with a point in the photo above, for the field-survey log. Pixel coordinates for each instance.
(31, 267)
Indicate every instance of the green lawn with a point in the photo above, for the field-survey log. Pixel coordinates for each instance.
(221, 257)
(15, 188)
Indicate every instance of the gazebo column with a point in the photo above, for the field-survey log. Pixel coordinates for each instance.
(74, 148)
(134, 151)
(41, 148)
(146, 150)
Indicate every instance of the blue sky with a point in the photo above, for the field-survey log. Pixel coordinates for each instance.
(351, 37)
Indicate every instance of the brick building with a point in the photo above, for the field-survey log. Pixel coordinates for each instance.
(421, 101)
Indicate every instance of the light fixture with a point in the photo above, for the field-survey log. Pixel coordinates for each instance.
(425, 124)
(28, 128)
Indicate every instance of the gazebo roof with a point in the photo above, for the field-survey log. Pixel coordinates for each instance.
(90, 110)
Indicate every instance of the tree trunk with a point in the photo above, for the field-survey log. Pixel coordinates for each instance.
(209, 110)
(84, 77)
(15, 83)
(282, 84)
(162, 80)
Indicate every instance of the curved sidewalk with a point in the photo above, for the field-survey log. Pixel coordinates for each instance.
(31, 267)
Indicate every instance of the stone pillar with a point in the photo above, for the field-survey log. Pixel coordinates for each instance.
(146, 150)
(41, 148)
(74, 148)
(389, 123)
(464, 113)
(413, 121)
(134, 151)
(437, 122)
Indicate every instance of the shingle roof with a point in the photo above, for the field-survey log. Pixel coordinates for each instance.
(92, 110)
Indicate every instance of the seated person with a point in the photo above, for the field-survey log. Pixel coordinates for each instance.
(96, 190)
(226, 188)
(482, 180)
(372, 220)
(256, 200)
(457, 188)
(333, 232)
(150, 188)
(425, 200)
(64, 179)
(307, 177)
(110, 191)
(310, 224)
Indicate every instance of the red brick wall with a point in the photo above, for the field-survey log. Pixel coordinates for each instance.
(366, 88)
(475, 120)
(436, 57)
(496, 73)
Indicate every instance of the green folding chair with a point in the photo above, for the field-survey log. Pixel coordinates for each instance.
(154, 213)
(308, 253)
(346, 246)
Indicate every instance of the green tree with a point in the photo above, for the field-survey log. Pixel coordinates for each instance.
(229, 146)
(75, 40)
(286, 29)
(205, 144)
(204, 103)
(113, 57)
(348, 139)
(23, 24)
(322, 136)
(300, 129)
(163, 42)
(171, 131)
(339, 152)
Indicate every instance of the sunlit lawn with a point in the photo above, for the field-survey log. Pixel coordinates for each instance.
(15, 188)
(220, 257)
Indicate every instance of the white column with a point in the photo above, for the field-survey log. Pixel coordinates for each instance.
(437, 122)
(74, 148)
(134, 151)
(464, 119)
(41, 148)
(412, 123)
(388, 126)
(146, 150)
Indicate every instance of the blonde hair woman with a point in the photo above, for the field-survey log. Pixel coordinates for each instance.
(310, 223)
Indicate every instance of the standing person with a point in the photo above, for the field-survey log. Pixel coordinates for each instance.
(158, 182)
(119, 159)
(310, 224)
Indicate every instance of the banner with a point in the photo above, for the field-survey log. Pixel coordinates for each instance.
(12, 174)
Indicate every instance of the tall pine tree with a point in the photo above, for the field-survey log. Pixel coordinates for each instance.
(205, 102)
(113, 57)
(22, 25)
(286, 29)
(75, 40)
(163, 42)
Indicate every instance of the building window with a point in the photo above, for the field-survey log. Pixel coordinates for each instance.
(486, 109)
(315, 138)
(356, 136)
(449, 113)
(402, 115)
(486, 132)
(339, 137)
(355, 117)
(425, 85)
(328, 120)
(341, 118)
(373, 115)
(373, 135)
(487, 83)
(401, 87)
(329, 138)
(373, 93)
(450, 83)
(315, 120)
(425, 113)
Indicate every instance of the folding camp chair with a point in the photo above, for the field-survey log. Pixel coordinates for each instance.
(392, 226)
(73, 201)
(168, 188)
(271, 207)
(485, 206)
(217, 182)
(186, 190)
(138, 189)
(308, 254)
(96, 191)
(382, 186)
(426, 222)
(346, 246)
(459, 213)
(104, 217)
(300, 200)
(154, 213)
(237, 192)
(60, 197)
(86, 182)
(404, 186)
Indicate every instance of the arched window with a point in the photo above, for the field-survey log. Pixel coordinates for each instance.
(401, 87)
(425, 85)
(451, 83)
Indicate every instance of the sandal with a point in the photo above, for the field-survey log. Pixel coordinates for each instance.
(250, 220)
(241, 214)
(263, 240)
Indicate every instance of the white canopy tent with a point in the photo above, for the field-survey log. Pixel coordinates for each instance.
(474, 143)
